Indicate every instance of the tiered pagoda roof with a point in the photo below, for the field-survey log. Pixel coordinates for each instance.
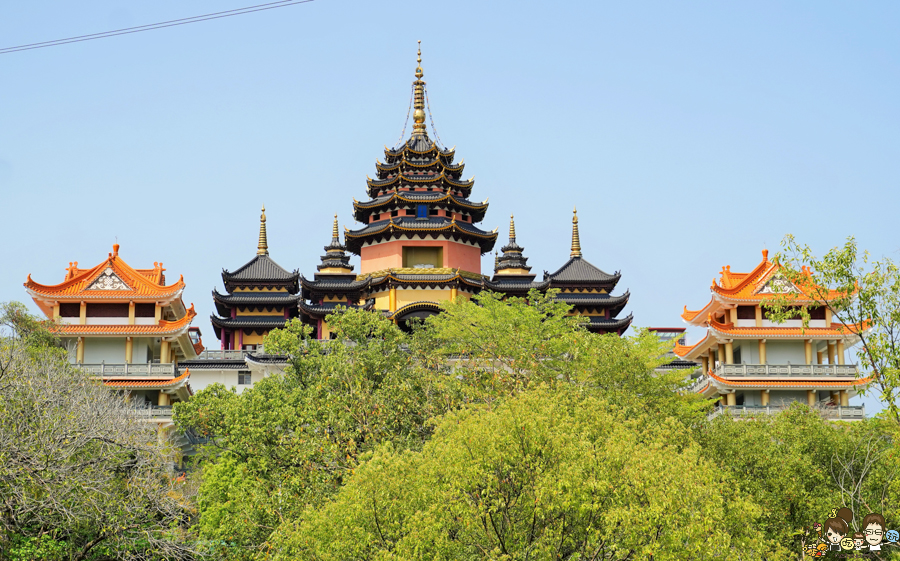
(260, 284)
(419, 192)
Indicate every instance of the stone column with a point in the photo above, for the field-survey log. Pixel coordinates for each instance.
(845, 398)
(731, 398)
(82, 315)
(79, 351)
(131, 313)
(392, 299)
(811, 397)
(807, 349)
(762, 351)
(840, 351)
(758, 311)
(729, 352)
(720, 355)
(164, 351)
(764, 397)
(163, 400)
(452, 293)
(704, 361)
(820, 357)
(129, 348)
(830, 352)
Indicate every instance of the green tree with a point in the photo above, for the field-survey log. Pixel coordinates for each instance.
(81, 477)
(291, 441)
(863, 296)
(547, 474)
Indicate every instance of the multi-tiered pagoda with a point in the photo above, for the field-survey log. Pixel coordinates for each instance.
(752, 365)
(261, 296)
(420, 244)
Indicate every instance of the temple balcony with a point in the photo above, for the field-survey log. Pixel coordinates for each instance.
(127, 370)
(809, 371)
(830, 412)
(154, 413)
(217, 354)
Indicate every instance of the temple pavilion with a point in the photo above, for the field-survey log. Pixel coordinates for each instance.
(261, 296)
(126, 327)
(420, 244)
(752, 365)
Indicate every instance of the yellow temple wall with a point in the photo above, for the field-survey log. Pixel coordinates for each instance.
(260, 312)
(254, 339)
(405, 296)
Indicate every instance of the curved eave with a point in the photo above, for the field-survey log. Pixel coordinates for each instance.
(166, 384)
(508, 286)
(355, 239)
(595, 324)
(266, 299)
(698, 317)
(787, 383)
(362, 210)
(322, 310)
(728, 330)
(352, 286)
(690, 352)
(76, 288)
(256, 324)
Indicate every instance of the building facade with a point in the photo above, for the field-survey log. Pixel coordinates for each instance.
(752, 365)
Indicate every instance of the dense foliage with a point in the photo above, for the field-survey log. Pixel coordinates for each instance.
(81, 477)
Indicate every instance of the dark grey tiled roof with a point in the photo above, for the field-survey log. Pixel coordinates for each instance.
(257, 322)
(577, 269)
(524, 284)
(260, 268)
(602, 300)
(256, 298)
(212, 364)
(595, 323)
(265, 358)
(331, 284)
(325, 308)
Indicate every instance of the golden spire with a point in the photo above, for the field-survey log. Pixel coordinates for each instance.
(512, 228)
(419, 96)
(263, 247)
(334, 230)
(576, 241)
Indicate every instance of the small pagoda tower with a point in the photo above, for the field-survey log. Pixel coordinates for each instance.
(420, 243)
(588, 290)
(333, 285)
(751, 365)
(512, 275)
(261, 296)
(126, 327)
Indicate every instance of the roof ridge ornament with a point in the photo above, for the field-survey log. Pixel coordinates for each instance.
(576, 240)
(263, 247)
(512, 228)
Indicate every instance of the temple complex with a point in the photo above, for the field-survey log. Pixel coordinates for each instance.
(752, 365)
(261, 296)
(126, 327)
(420, 244)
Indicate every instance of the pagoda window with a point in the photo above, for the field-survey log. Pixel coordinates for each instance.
(817, 312)
(434, 212)
(144, 310)
(70, 309)
(395, 213)
(746, 312)
(422, 211)
(423, 257)
(107, 310)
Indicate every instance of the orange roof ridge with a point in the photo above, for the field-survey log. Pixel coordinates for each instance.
(143, 282)
(152, 384)
(682, 350)
(836, 329)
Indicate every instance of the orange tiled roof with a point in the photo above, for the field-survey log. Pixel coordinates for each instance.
(683, 350)
(748, 286)
(791, 383)
(836, 330)
(141, 283)
(164, 383)
(163, 328)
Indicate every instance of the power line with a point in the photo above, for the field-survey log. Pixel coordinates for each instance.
(152, 26)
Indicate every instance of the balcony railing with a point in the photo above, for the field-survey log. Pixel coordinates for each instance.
(217, 354)
(848, 413)
(154, 412)
(143, 369)
(788, 370)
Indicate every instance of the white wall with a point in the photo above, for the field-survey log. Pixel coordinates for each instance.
(202, 378)
(104, 349)
(782, 352)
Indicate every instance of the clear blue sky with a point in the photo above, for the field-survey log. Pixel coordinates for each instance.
(689, 135)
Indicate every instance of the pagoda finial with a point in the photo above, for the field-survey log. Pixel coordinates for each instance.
(419, 96)
(512, 228)
(496, 260)
(334, 230)
(263, 247)
(576, 240)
